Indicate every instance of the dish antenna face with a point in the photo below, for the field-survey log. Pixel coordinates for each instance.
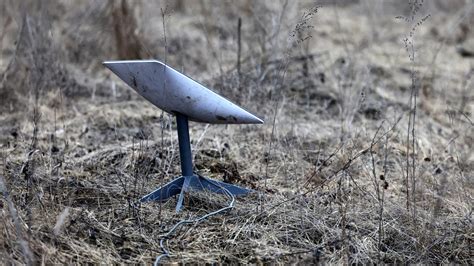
(174, 93)
(185, 98)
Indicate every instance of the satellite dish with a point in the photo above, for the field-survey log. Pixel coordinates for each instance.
(185, 98)
(174, 93)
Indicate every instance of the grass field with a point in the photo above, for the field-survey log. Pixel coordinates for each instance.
(366, 154)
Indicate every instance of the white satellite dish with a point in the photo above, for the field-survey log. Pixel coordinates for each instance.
(185, 98)
(174, 93)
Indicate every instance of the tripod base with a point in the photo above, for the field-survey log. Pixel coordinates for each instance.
(183, 184)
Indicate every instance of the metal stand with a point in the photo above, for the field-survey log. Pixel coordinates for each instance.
(189, 180)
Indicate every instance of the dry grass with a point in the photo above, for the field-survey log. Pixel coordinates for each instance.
(330, 172)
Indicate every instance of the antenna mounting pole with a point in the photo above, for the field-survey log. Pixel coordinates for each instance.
(184, 145)
(189, 180)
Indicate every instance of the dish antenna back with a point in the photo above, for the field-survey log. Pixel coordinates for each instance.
(185, 98)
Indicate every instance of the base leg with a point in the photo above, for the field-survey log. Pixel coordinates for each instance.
(183, 184)
(216, 186)
(184, 189)
(166, 191)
